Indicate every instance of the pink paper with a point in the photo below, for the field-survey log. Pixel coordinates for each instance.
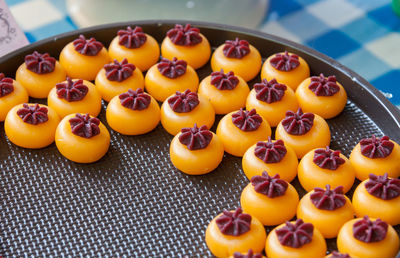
(11, 36)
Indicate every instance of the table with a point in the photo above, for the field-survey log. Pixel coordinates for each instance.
(364, 35)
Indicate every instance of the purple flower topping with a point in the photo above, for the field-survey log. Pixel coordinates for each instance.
(269, 186)
(71, 90)
(234, 223)
(270, 152)
(184, 36)
(132, 38)
(247, 120)
(6, 85)
(236, 48)
(383, 187)
(324, 86)
(250, 254)
(90, 47)
(196, 138)
(296, 234)
(84, 125)
(328, 199)
(172, 69)
(184, 102)
(298, 123)
(135, 100)
(269, 91)
(336, 254)
(33, 114)
(369, 231)
(40, 63)
(327, 158)
(224, 81)
(375, 147)
(119, 71)
(285, 62)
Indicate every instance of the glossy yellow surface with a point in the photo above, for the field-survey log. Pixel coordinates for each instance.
(222, 245)
(132, 122)
(91, 103)
(269, 211)
(18, 96)
(196, 56)
(379, 166)
(286, 168)
(39, 85)
(27, 135)
(319, 136)
(80, 66)
(80, 149)
(225, 101)
(387, 248)
(367, 204)
(196, 162)
(273, 112)
(245, 253)
(325, 106)
(161, 87)
(143, 57)
(311, 175)
(236, 141)
(291, 78)
(246, 67)
(109, 89)
(173, 122)
(316, 248)
(326, 221)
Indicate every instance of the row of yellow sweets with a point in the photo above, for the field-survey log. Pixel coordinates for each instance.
(40, 73)
(327, 213)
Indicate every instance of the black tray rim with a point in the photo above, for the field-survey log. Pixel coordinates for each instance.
(389, 107)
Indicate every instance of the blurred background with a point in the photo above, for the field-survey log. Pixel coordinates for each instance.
(364, 35)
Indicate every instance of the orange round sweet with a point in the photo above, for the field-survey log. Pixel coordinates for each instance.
(346, 243)
(132, 122)
(328, 222)
(173, 122)
(225, 101)
(366, 204)
(18, 96)
(319, 136)
(39, 85)
(28, 135)
(222, 245)
(236, 142)
(269, 211)
(286, 168)
(161, 87)
(378, 166)
(91, 103)
(196, 56)
(273, 112)
(246, 67)
(311, 175)
(80, 149)
(109, 89)
(274, 249)
(143, 57)
(82, 66)
(324, 106)
(196, 162)
(290, 78)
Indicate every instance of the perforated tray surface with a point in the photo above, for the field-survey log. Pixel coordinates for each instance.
(133, 201)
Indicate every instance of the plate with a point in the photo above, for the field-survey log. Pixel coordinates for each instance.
(133, 201)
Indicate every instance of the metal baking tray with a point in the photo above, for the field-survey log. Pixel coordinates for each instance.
(133, 201)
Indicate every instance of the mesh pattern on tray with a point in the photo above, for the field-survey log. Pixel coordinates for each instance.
(132, 202)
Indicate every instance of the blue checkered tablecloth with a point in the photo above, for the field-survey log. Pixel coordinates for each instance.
(364, 35)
